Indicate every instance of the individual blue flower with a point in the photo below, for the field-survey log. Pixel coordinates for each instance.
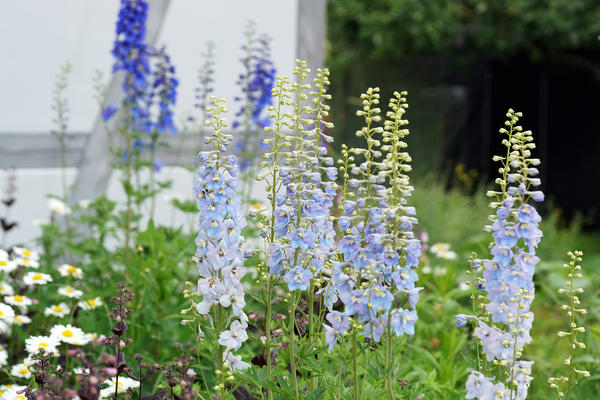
(298, 278)
(109, 111)
(302, 238)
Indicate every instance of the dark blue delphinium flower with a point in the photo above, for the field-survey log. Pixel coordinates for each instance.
(130, 52)
(109, 111)
(164, 92)
(256, 83)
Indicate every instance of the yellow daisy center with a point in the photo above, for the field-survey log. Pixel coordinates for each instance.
(69, 290)
(27, 252)
(1, 313)
(43, 344)
(3, 262)
(38, 277)
(57, 308)
(24, 371)
(71, 270)
(25, 261)
(18, 298)
(67, 333)
(91, 302)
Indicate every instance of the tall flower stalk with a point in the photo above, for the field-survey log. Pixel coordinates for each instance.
(508, 275)
(379, 254)
(563, 385)
(220, 248)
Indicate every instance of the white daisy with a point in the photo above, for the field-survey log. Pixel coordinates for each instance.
(124, 384)
(439, 247)
(34, 344)
(10, 392)
(90, 304)
(70, 334)
(6, 265)
(7, 314)
(70, 292)
(58, 310)
(58, 207)
(22, 370)
(18, 300)
(36, 278)
(447, 255)
(6, 289)
(22, 320)
(27, 262)
(3, 357)
(70, 270)
(26, 253)
(4, 329)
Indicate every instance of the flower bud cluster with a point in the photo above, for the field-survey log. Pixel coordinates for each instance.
(564, 384)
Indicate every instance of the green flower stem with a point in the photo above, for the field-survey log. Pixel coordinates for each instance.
(291, 334)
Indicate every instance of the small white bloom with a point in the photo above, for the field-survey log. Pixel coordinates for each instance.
(22, 370)
(22, 320)
(70, 334)
(7, 314)
(464, 286)
(233, 338)
(58, 310)
(124, 384)
(58, 207)
(27, 253)
(18, 300)
(447, 255)
(438, 271)
(426, 269)
(36, 278)
(70, 292)
(234, 363)
(3, 358)
(90, 304)
(70, 270)
(27, 262)
(85, 203)
(10, 392)
(6, 265)
(6, 289)
(34, 344)
(439, 247)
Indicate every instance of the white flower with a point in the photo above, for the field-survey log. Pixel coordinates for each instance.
(22, 370)
(7, 314)
(27, 262)
(3, 357)
(233, 338)
(85, 203)
(58, 207)
(22, 320)
(447, 255)
(70, 292)
(18, 300)
(90, 304)
(4, 329)
(34, 344)
(36, 278)
(439, 271)
(58, 310)
(234, 363)
(6, 289)
(70, 334)
(10, 392)
(124, 384)
(6, 265)
(70, 270)
(81, 371)
(439, 247)
(26, 253)
(426, 269)
(464, 286)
